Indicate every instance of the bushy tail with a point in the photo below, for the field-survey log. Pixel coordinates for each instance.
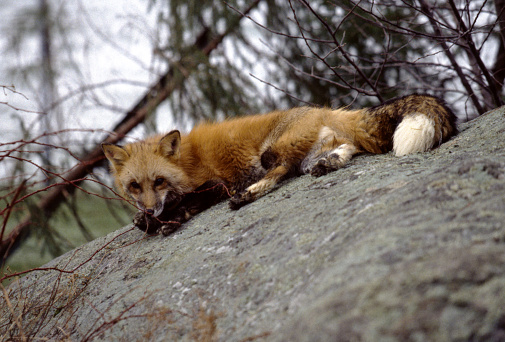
(423, 122)
(415, 133)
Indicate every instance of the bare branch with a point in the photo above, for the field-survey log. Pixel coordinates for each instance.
(338, 46)
(474, 54)
(157, 93)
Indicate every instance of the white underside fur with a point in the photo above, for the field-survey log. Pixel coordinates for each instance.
(345, 153)
(415, 133)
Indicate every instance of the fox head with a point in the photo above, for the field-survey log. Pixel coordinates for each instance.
(149, 173)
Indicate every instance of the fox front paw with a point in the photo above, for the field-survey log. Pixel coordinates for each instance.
(146, 223)
(241, 199)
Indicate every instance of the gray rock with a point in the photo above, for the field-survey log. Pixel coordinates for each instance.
(385, 249)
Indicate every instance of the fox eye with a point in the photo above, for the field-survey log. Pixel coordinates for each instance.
(159, 181)
(135, 185)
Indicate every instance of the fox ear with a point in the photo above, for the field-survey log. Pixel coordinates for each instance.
(115, 154)
(170, 144)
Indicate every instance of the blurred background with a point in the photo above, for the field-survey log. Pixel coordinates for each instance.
(77, 73)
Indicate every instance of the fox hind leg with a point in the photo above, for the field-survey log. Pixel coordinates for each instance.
(292, 153)
(328, 154)
(333, 160)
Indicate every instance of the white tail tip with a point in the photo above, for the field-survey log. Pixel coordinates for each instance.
(416, 133)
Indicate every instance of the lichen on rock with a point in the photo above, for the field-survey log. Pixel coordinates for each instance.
(385, 249)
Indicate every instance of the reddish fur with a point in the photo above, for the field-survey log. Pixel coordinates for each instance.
(251, 154)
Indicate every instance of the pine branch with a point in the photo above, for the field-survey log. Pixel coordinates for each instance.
(499, 66)
(156, 94)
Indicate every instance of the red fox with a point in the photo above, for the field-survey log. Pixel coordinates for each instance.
(250, 155)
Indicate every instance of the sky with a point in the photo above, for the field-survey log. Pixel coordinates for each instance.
(110, 48)
(110, 43)
(107, 45)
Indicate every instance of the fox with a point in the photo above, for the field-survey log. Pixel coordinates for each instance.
(172, 177)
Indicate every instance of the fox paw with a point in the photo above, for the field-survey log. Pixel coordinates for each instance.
(241, 199)
(169, 228)
(325, 165)
(146, 223)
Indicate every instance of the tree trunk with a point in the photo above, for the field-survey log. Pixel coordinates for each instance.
(157, 93)
(499, 66)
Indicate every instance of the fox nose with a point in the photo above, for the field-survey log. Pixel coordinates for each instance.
(150, 211)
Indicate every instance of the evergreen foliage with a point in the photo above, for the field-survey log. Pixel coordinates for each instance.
(209, 62)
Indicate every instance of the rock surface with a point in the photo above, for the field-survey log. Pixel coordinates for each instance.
(385, 249)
